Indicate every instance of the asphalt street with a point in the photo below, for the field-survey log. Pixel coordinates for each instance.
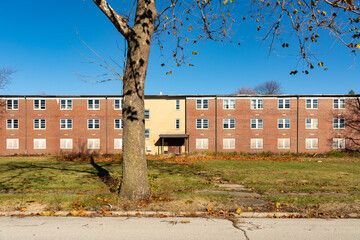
(176, 228)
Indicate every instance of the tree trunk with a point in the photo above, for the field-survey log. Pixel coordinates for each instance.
(135, 184)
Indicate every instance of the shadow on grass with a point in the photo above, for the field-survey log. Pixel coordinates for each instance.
(105, 176)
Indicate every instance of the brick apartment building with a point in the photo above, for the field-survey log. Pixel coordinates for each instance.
(177, 123)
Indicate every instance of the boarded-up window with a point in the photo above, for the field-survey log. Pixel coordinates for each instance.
(202, 143)
(256, 143)
(117, 143)
(229, 143)
(311, 143)
(39, 143)
(283, 143)
(93, 143)
(66, 143)
(12, 143)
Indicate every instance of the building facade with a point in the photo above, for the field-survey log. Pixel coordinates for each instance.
(177, 123)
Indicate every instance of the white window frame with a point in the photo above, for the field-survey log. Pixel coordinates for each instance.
(37, 144)
(259, 143)
(309, 125)
(337, 123)
(147, 114)
(12, 104)
(282, 122)
(227, 142)
(284, 143)
(11, 141)
(118, 145)
(259, 123)
(66, 143)
(339, 143)
(66, 124)
(91, 143)
(257, 103)
(41, 104)
(94, 124)
(13, 125)
(177, 104)
(177, 123)
(283, 104)
(41, 122)
(120, 123)
(204, 123)
(147, 133)
(118, 106)
(202, 143)
(229, 123)
(339, 103)
(93, 105)
(68, 105)
(314, 143)
(201, 105)
(229, 103)
(311, 104)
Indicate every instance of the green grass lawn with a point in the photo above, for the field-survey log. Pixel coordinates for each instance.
(64, 185)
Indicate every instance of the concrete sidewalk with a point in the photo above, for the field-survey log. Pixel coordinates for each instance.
(176, 228)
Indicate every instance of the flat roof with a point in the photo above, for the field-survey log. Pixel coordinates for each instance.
(173, 135)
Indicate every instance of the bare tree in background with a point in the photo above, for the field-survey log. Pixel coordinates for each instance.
(246, 91)
(268, 88)
(5, 76)
(187, 22)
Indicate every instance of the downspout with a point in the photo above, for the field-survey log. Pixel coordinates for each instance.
(25, 125)
(216, 124)
(106, 126)
(297, 124)
(188, 139)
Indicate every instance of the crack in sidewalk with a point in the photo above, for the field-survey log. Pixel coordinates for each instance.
(235, 222)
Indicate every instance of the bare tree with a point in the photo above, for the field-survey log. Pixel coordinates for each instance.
(269, 87)
(5, 76)
(187, 22)
(246, 91)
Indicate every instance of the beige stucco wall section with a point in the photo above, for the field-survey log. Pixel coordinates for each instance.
(162, 120)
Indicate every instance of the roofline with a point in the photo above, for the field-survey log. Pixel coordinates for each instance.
(182, 96)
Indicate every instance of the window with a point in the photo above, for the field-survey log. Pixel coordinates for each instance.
(118, 103)
(12, 143)
(39, 123)
(202, 104)
(12, 104)
(311, 123)
(284, 103)
(147, 133)
(65, 123)
(256, 143)
(117, 143)
(93, 143)
(311, 143)
(229, 123)
(39, 143)
(257, 103)
(312, 103)
(338, 143)
(147, 114)
(339, 103)
(12, 123)
(93, 104)
(283, 143)
(229, 103)
(256, 124)
(177, 123)
(93, 123)
(202, 123)
(65, 104)
(177, 104)
(202, 143)
(66, 143)
(284, 123)
(39, 104)
(118, 124)
(339, 123)
(229, 143)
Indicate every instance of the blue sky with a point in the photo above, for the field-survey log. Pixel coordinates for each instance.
(35, 36)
